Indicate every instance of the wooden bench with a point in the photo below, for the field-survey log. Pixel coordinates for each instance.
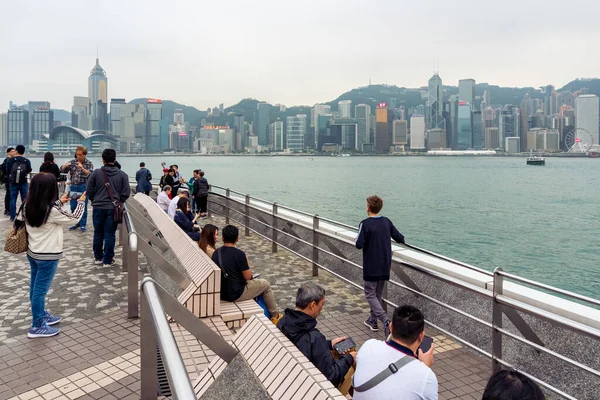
(282, 369)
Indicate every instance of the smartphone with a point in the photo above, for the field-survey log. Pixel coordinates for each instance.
(426, 344)
(344, 345)
(76, 195)
(255, 276)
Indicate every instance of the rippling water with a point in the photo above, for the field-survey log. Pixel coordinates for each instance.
(538, 222)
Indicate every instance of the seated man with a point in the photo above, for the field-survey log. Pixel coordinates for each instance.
(236, 276)
(299, 326)
(414, 379)
(163, 199)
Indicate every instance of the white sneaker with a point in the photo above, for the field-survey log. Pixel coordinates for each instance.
(98, 262)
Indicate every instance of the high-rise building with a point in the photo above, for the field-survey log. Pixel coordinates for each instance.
(466, 90)
(512, 145)
(80, 113)
(586, 115)
(18, 126)
(417, 132)
(262, 118)
(31, 107)
(383, 129)
(451, 116)
(509, 123)
(98, 95)
(278, 137)
(296, 132)
(178, 117)
(239, 128)
(487, 99)
(42, 121)
(115, 116)
(435, 93)
(464, 136)
(343, 132)
(345, 108)
(491, 139)
(477, 130)
(3, 129)
(400, 133)
(362, 113)
(549, 101)
(153, 117)
(436, 139)
(318, 109)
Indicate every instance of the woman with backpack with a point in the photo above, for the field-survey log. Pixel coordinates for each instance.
(44, 218)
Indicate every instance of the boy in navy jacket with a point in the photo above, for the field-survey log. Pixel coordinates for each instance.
(374, 238)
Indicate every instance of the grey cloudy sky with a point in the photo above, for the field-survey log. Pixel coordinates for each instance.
(202, 53)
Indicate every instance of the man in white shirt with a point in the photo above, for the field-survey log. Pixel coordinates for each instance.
(414, 380)
(173, 204)
(163, 199)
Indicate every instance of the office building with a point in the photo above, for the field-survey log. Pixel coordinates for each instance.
(239, 128)
(277, 135)
(487, 99)
(262, 119)
(98, 95)
(42, 122)
(512, 145)
(31, 107)
(17, 126)
(322, 131)
(509, 122)
(343, 133)
(400, 133)
(115, 116)
(153, 117)
(586, 115)
(477, 130)
(178, 117)
(464, 135)
(435, 92)
(436, 139)
(417, 132)
(3, 129)
(466, 91)
(549, 100)
(491, 139)
(362, 114)
(543, 139)
(345, 109)
(80, 113)
(296, 132)
(318, 109)
(383, 129)
(450, 114)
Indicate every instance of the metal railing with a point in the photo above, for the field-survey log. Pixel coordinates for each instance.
(502, 305)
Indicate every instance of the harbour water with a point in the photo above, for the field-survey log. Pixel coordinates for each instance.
(538, 222)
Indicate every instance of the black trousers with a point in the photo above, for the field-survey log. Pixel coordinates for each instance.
(7, 198)
(201, 202)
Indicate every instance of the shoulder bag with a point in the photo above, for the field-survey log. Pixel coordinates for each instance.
(16, 239)
(118, 212)
(383, 375)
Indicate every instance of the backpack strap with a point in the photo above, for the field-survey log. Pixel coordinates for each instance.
(383, 375)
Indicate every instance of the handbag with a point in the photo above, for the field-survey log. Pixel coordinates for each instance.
(16, 239)
(118, 211)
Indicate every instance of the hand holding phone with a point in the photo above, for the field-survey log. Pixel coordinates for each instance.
(426, 356)
(344, 345)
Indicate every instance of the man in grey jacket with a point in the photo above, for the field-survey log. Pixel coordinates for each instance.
(105, 225)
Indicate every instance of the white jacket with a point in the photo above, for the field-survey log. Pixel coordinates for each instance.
(46, 242)
(163, 200)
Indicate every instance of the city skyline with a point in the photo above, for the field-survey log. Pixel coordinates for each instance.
(199, 63)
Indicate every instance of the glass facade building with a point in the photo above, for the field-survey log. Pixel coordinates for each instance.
(153, 117)
(42, 123)
(17, 126)
(362, 113)
(464, 137)
(97, 94)
(296, 132)
(262, 119)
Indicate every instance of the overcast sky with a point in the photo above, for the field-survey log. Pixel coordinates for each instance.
(203, 53)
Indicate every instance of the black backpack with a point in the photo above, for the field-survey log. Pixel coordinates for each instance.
(18, 172)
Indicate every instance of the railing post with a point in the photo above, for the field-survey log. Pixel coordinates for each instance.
(132, 280)
(315, 255)
(227, 194)
(497, 321)
(148, 358)
(274, 230)
(247, 216)
(208, 213)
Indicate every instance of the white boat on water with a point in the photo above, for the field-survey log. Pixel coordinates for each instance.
(535, 160)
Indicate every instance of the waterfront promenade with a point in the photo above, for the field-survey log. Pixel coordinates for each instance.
(96, 355)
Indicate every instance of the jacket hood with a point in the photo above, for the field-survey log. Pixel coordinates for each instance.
(111, 170)
(296, 323)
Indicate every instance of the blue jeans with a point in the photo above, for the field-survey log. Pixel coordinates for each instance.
(80, 188)
(15, 189)
(104, 234)
(42, 274)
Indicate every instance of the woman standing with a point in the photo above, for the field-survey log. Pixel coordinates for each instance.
(44, 217)
(208, 239)
(49, 166)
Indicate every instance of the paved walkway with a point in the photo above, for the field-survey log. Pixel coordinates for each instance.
(96, 355)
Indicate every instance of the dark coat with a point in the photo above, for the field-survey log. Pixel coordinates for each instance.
(143, 178)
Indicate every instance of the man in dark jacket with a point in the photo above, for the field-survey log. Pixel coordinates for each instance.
(18, 167)
(103, 212)
(143, 177)
(201, 193)
(374, 238)
(299, 326)
(10, 152)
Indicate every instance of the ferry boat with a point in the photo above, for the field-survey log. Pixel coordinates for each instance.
(535, 160)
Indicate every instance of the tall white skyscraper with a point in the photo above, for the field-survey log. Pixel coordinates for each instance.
(586, 115)
(345, 108)
(417, 131)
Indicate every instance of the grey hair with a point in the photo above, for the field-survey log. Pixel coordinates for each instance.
(167, 187)
(309, 292)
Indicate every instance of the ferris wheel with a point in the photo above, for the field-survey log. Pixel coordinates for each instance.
(579, 141)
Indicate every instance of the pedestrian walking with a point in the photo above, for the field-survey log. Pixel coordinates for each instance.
(143, 177)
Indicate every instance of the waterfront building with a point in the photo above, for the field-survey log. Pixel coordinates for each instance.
(509, 122)
(466, 91)
(313, 136)
(322, 130)
(239, 128)
(383, 129)
(362, 113)
(115, 116)
(63, 140)
(343, 132)
(512, 145)
(436, 138)
(33, 106)
(477, 130)
(296, 132)
(17, 126)
(3, 129)
(491, 138)
(277, 135)
(464, 136)
(42, 122)
(345, 109)
(153, 117)
(587, 117)
(450, 114)
(262, 118)
(417, 132)
(435, 92)
(80, 113)
(400, 133)
(98, 95)
(543, 139)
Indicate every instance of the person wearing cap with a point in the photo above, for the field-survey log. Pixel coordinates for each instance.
(183, 192)
(163, 178)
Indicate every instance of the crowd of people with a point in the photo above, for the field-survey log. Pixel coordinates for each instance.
(398, 367)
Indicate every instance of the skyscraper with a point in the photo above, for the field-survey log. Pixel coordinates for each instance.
(239, 129)
(278, 137)
(262, 118)
(115, 116)
(417, 132)
(319, 109)
(296, 131)
(178, 117)
(362, 113)
(98, 92)
(451, 117)
(466, 91)
(80, 113)
(18, 126)
(383, 129)
(31, 107)
(435, 94)
(345, 108)
(400, 133)
(3, 129)
(509, 123)
(586, 115)
(153, 117)
(464, 136)
(42, 122)
(477, 130)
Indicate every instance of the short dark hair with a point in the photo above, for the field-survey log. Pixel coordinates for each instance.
(511, 385)
(375, 204)
(230, 234)
(201, 173)
(142, 164)
(9, 149)
(175, 165)
(109, 156)
(196, 171)
(407, 324)
(20, 149)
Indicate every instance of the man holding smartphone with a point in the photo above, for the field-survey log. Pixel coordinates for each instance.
(79, 170)
(413, 378)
